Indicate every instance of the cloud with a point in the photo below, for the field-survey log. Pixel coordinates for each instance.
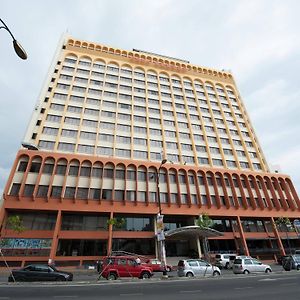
(257, 40)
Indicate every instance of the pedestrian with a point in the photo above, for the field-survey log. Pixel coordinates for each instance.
(138, 261)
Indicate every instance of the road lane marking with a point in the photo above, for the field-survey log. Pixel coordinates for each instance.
(244, 288)
(191, 291)
(132, 294)
(4, 298)
(67, 296)
(268, 279)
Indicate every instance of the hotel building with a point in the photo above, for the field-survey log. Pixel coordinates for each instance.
(105, 120)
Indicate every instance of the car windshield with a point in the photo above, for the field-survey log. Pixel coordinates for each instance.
(53, 268)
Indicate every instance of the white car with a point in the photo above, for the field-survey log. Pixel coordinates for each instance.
(196, 267)
(249, 265)
(223, 260)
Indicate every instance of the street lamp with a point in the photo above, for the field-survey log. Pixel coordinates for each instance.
(18, 48)
(160, 229)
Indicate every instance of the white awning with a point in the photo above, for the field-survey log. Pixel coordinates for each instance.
(192, 231)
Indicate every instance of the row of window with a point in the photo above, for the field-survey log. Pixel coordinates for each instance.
(84, 68)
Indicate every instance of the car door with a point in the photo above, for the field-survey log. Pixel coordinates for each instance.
(248, 265)
(257, 266)
(194, 267)
(27, 273)
(41, 273)
(122, 267)
(205, 268)
(133, 268)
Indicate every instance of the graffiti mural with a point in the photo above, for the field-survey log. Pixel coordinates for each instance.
(25, 243)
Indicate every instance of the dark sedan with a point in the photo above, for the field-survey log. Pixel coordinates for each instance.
(40, 273)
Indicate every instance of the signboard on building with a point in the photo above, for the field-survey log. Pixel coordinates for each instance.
(160, 227)
(296, 224)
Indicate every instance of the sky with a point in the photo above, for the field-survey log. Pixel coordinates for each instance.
(257, 40)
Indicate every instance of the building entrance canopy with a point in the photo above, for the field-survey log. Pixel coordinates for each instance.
(192, 231)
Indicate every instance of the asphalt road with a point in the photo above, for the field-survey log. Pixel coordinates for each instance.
(266, 287)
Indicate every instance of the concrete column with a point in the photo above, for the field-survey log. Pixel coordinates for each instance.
(3, 214)
(199, 247)
(55, 237)
(278, 238)
(242, 235)
(110, 235)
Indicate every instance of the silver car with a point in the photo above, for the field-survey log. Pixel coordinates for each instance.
(196, 267)
(249, 265)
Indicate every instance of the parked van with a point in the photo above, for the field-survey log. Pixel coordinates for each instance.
(248, 265)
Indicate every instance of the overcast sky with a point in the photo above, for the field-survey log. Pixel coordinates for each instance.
(258, 40)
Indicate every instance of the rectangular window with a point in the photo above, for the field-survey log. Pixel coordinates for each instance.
(88, 135)
(72, 121)
(85, 171)
(42, 191)
(61, 169)
(48, 168)
(15, 189)
(105, 150)
(50, 131)
(22, 166)
(85, 149)
(69, 133)
(28, 190)
(70, 192)
(35, 167)
(56, 191)
(90, 123)
(97, 172)
(82, 193)
(140, 154)
(66, 147)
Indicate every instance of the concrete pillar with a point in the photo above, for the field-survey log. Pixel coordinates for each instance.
(110, 235)
(242, 235)
(55, 237)
(199, 247)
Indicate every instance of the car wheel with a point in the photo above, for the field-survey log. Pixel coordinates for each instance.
(111, 276)
(189, 274)
(227, 265)
(246, 272)
(298, 267)
(169, 269)
(268, 270)
(145, 275)
(216, 273)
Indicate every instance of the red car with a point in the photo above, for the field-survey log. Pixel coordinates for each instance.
(115, 267)
(157, 266)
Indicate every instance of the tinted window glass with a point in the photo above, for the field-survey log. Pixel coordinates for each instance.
(181, 263)
(193, 263)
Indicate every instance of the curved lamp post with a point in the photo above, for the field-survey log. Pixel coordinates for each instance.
(18, 48)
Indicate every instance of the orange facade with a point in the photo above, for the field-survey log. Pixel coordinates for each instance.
(274, 197)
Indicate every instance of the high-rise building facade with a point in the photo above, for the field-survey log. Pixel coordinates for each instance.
(116, 131)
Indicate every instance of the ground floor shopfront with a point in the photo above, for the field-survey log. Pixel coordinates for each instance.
(74, 238)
